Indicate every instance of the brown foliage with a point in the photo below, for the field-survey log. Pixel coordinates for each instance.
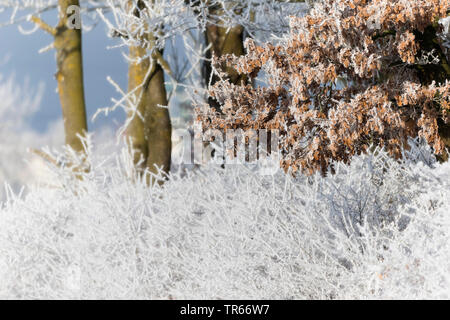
(350, 74)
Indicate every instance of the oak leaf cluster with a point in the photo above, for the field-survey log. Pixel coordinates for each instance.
(350, 74)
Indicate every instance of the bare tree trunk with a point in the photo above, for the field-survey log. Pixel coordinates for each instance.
(136, 129)
(158, 129)
(70, 77)
(152, 137)
(223, 40)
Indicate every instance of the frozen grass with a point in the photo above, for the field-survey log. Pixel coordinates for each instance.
(375, 229)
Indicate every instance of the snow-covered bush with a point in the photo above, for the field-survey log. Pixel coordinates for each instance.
(378, 228)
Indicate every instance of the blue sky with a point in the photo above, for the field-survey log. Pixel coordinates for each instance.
(24, 61)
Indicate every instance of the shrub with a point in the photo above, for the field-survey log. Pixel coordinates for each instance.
(378, 228)
(349, 74)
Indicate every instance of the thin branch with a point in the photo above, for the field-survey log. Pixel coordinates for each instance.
(44, 26)
(45, 156)
(162, 62)
(384, 34)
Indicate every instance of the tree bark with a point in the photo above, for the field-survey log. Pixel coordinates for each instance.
(151, 138)
(223, 40)
(69, 75)
(136, 129)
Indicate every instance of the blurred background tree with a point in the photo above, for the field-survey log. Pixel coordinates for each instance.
(170, 46)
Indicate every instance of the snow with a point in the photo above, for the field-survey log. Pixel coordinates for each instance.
(376, 229)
